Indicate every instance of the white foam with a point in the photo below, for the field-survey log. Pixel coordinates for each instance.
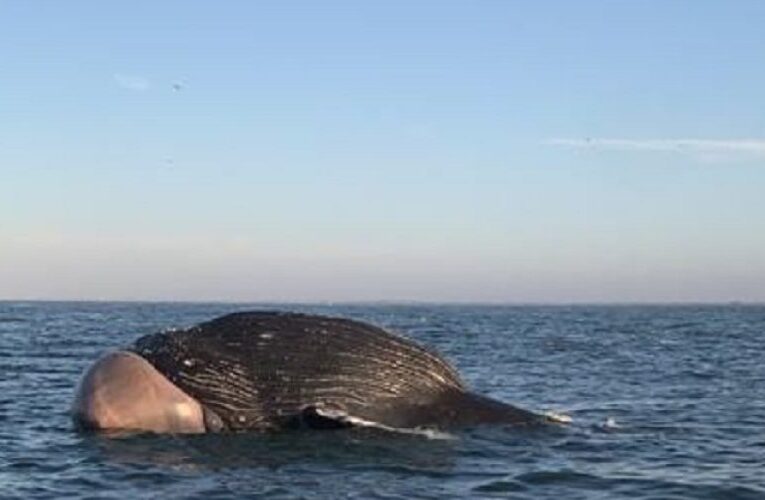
(610, 423)
(557, 417)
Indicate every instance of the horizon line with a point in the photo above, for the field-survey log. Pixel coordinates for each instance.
(394, 302)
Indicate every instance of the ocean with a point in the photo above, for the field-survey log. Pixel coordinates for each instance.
(666, 402)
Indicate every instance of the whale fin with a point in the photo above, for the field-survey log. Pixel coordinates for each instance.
(323, 417)
(318, 417)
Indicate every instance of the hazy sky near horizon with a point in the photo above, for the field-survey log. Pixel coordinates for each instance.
(538, 151)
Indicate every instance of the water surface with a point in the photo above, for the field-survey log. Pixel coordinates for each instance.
(667, 402)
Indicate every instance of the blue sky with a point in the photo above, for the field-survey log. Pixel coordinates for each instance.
(336, 151)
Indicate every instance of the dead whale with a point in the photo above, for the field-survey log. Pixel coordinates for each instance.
(270, 371)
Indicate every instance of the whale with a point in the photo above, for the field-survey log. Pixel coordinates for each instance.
(269, 371)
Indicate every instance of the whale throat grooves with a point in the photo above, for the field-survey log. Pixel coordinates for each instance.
(269, 370)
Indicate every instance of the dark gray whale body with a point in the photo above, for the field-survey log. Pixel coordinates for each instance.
(269, 371)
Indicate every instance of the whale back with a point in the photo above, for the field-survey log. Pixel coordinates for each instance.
(263, 370)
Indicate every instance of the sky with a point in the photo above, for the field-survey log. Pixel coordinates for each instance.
(445, 151)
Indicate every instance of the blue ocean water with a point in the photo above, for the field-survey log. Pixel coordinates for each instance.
(666, 402)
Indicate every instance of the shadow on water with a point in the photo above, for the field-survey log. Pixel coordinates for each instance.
(358, 448)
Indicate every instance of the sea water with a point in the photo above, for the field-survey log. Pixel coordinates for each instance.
(664, 402)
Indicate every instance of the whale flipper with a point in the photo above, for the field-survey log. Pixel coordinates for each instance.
(314, 417)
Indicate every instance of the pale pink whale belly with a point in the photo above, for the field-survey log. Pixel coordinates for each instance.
(124, 391)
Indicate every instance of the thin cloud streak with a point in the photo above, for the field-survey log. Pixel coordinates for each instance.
(695, 146)
(132, 82)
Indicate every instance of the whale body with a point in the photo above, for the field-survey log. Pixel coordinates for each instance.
(270, 371)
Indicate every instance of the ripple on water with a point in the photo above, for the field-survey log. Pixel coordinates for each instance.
(666, 403)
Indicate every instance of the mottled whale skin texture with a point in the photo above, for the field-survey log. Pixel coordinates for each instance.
(264, 371)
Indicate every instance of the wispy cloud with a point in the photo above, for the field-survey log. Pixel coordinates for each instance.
(132, 82)
(701, 147)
